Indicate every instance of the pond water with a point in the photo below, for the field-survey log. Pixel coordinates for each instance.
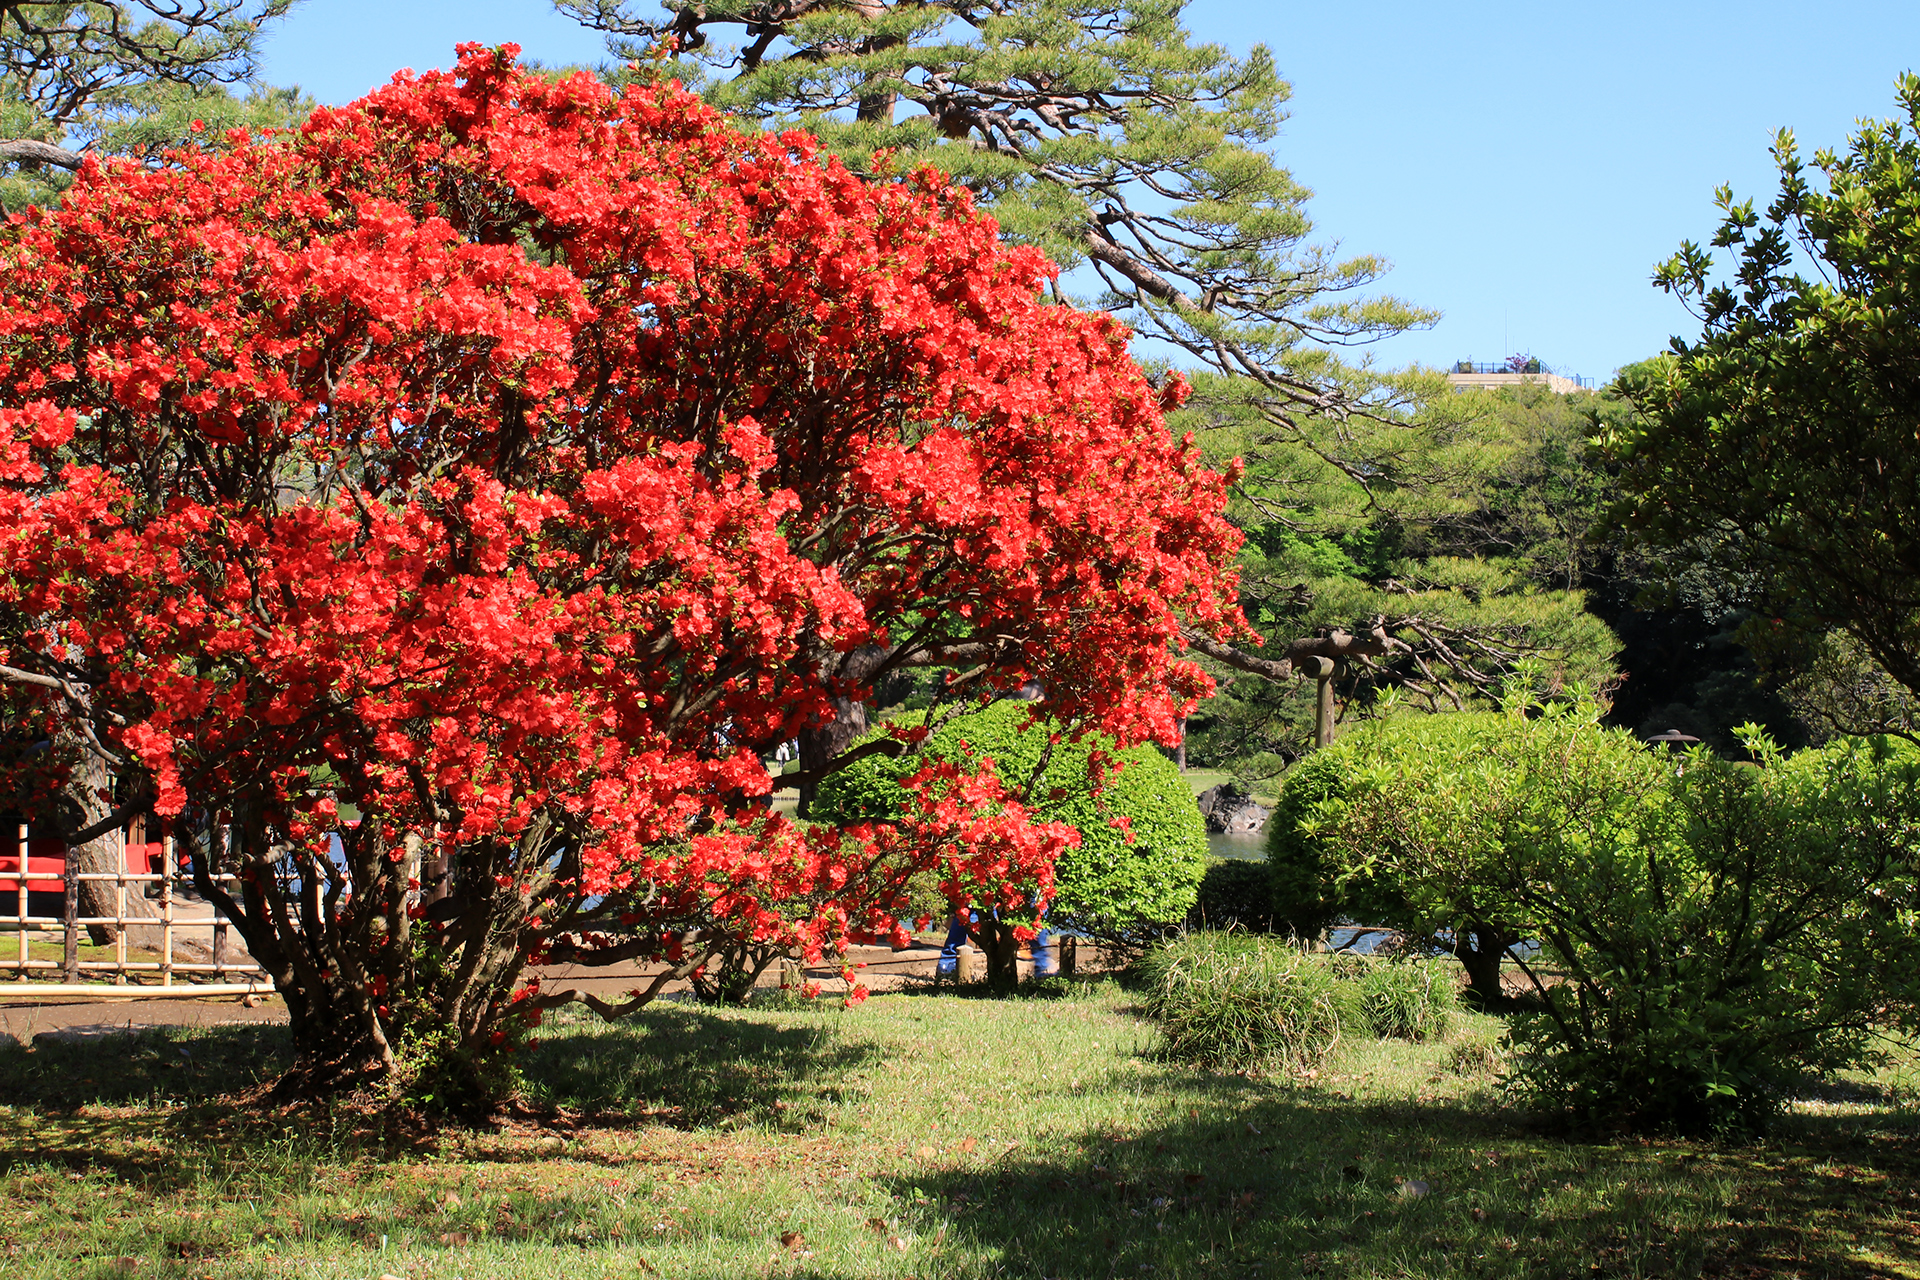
(1242, 848)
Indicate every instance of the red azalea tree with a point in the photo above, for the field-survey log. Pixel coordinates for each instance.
(517, 463)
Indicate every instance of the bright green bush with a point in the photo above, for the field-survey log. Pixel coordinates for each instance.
(1107, 883)
(1754, 934)
(1717, 929)
(1236, 1001)
(1306, 896)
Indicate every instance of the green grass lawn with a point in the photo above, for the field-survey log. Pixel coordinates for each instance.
(918, 1136)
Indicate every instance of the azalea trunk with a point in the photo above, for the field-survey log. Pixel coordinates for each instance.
(1002, 952)
(344, 947)
(336, 1043)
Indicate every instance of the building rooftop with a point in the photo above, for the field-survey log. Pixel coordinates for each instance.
(1513, 373)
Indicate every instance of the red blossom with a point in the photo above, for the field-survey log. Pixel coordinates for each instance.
(524, 461)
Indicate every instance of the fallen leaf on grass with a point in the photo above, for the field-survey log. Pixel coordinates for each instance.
(969, 1144)
(647, 1267)
(924, 1153)
(877, 1224)
(1412, 1188)
(1479, 1215)
(792, 1241)
(1195, 1179)
(895, 1242)
(1253, 1128)
(455, 1239)
(126, 1264)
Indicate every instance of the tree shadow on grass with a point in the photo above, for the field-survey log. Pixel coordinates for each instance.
(1244, 1179)
(695, 1067)
(154, 1065)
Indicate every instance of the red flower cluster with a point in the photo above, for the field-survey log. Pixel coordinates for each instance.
(515, 463)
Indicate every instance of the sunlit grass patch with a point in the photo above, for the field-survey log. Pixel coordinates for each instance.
(923, 1136)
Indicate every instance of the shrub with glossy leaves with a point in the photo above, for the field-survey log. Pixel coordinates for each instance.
(1142, 843)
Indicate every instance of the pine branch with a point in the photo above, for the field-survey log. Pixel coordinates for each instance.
(33, 151)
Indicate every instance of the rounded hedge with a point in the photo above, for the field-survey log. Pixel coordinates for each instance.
(1106, 881)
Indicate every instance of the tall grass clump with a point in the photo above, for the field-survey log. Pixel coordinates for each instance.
(1405, 999)
(1239, 1002)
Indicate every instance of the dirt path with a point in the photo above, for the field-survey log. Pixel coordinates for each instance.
(90, 1020)
(880, 968)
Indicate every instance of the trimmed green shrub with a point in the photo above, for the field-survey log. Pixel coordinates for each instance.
(1717, 930)
(1108, 883)
(1234, 1001)
(1306, 898)
(1311, 893)
(1234, 894)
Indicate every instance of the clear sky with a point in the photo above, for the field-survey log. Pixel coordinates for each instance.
(1522, 165)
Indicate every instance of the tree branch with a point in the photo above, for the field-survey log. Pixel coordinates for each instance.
(808, 777)
(1337, 645)
(33, 151)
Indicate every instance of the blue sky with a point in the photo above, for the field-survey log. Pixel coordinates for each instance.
(1522, 165)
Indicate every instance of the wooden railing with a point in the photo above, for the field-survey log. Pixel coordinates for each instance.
(224, 970)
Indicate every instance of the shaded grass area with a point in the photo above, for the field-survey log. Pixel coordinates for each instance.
(919, 1136)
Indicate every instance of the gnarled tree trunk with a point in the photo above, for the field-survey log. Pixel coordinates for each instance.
(822, 744)
(86, 801)
(1480, 948)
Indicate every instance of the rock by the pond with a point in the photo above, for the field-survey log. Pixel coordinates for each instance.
(1230, 813)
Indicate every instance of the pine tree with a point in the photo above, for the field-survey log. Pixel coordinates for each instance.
(1139, 160)
(124, 77)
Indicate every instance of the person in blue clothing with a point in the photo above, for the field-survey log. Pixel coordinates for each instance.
(957, 926)
(1045, 960)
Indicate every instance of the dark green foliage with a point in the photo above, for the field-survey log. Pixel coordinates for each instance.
(128, 78)
(1107, 883)
(1789, 425)
(1231, 1001)
(1470, 537)
(1234, 894)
